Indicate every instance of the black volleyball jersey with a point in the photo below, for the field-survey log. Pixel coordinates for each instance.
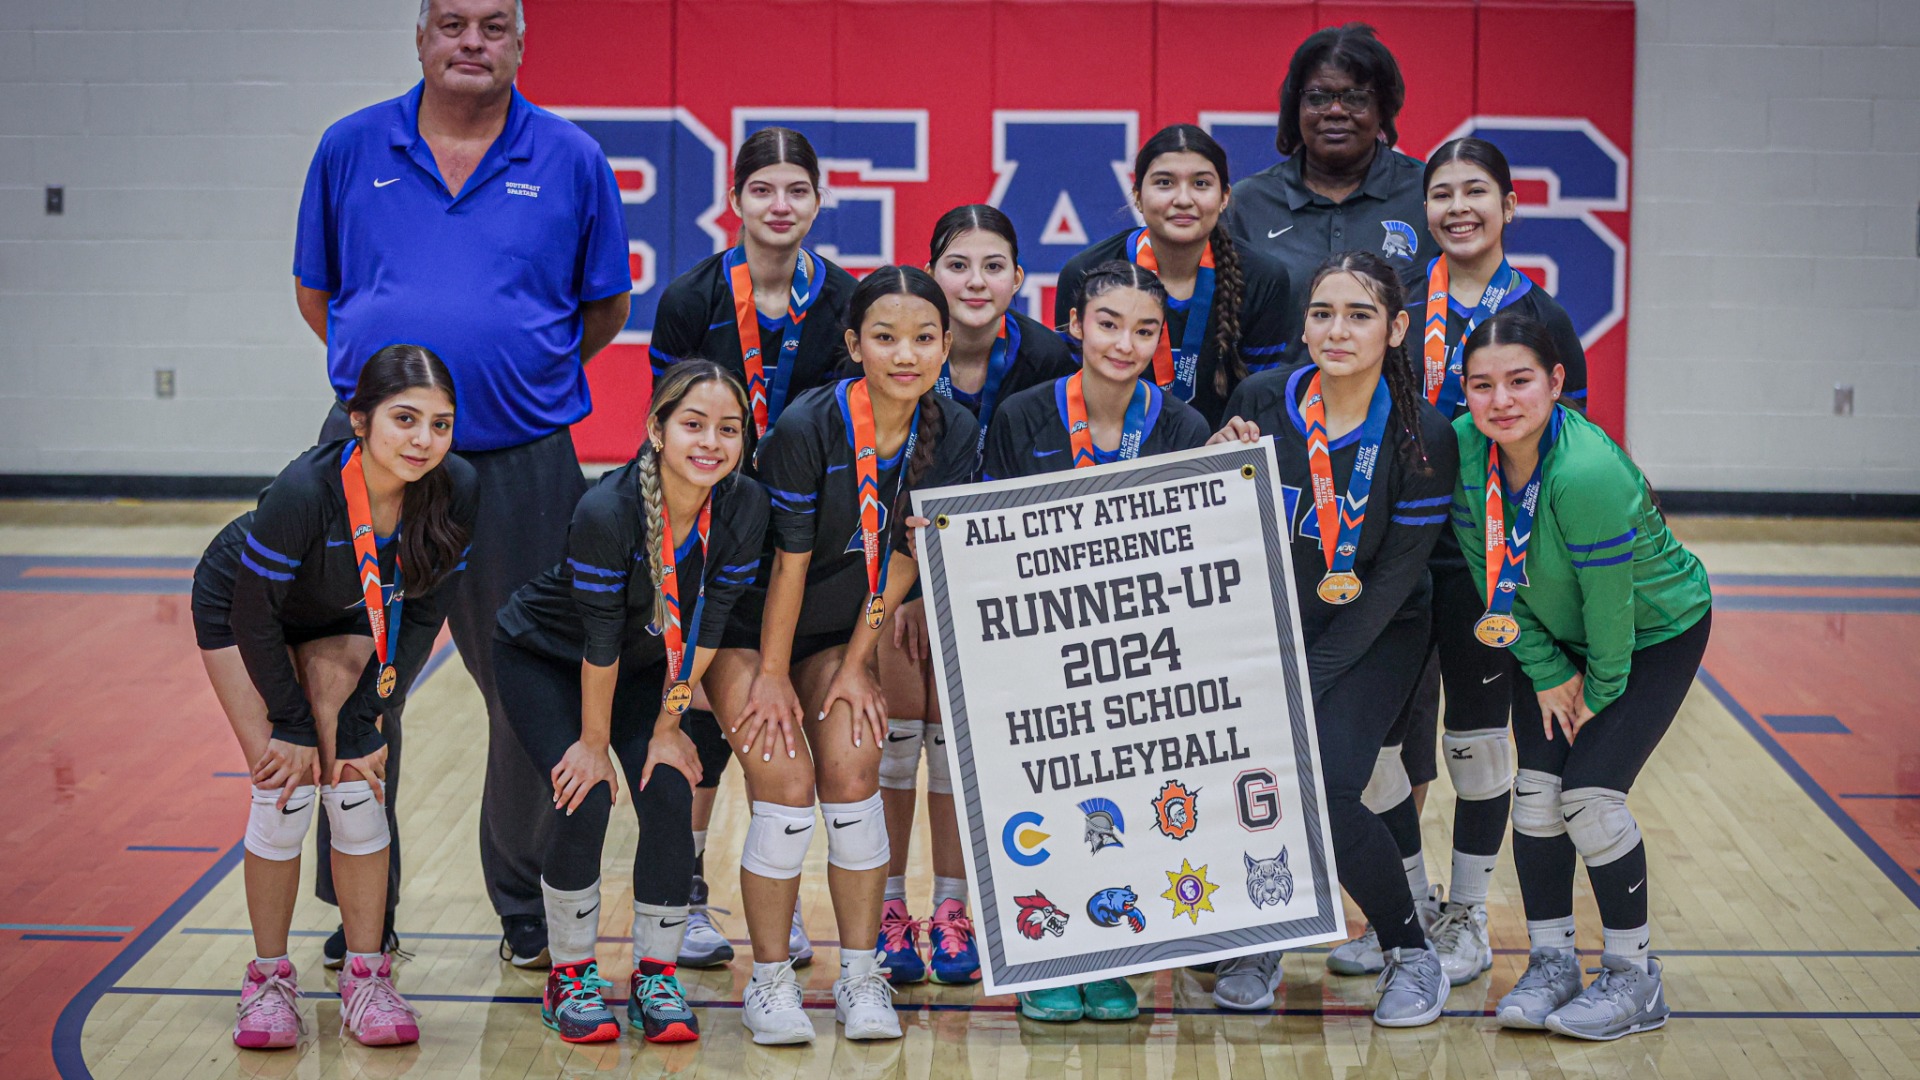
(696, 320)
(807, 464)
(1269, 327)
(1029, 433)
(1405, 514)
(1038, 355)
(297, 570)
(597, 603)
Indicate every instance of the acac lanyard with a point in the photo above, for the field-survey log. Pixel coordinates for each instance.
(678, 636)
(366, 558)
(768, 401)
(1443, 366)
(1176, 372)
(866, 464)
(1507, 550)
(1133, 429)
(1341, 520)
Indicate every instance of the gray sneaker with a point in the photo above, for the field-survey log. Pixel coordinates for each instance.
(704, 945)
(1621, 1000)
(1247, 983)
(1361, 956)
(1413, 988)
(1551, 980)
(1459, 935)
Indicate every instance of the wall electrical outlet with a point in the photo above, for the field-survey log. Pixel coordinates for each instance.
(56, 200)
(163, 382)
(1843, 399)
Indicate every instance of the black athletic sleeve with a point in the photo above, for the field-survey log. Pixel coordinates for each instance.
(1573, 355)
(679, 324)
(420, 621)
(1268, 329)
(286, 530)
(1413, 524)
(732, 568)
(601, 545)
(791, 463)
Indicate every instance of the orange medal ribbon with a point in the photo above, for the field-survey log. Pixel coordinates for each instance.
(866, 464)
(679, 692)
(366, 560)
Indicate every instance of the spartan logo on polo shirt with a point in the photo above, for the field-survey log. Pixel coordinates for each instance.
(1401, 241)
(531, 191)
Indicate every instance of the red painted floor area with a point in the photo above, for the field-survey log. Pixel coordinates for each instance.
(1863, 670)
(109, 739)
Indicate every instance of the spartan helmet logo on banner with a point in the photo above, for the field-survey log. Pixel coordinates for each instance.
(1105, 823)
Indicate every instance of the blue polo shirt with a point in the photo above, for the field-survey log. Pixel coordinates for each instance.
(491, 280)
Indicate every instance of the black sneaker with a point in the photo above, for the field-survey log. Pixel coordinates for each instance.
(523, 941)
(334, 951)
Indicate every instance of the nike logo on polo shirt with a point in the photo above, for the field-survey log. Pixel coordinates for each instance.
(1273, 233)
(1488, 679)
(384, 183)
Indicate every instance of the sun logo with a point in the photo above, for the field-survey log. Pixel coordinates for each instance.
(1190, 891)
(1176, 811)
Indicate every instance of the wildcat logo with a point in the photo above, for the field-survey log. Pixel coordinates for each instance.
(1176, 811)
(1038, 917)
(1269, 881)
(1109, 907)
(1105, 824)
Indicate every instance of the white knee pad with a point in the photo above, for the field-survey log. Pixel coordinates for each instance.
(276, 834)
(1480, 763)
(1536, 804)
(939, 773)
(900, 757)
(857, 834)
(358, 820)
(1600, 824)
(777, 838)
(1390, 785)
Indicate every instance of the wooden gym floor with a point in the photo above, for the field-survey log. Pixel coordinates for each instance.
(1783, 815)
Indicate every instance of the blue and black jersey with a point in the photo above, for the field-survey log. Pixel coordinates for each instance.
(1029, 434)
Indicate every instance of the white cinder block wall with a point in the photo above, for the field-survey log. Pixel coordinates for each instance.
(1776, 192)
(1776, 213)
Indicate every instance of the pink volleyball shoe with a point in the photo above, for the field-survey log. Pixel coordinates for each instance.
(372, 1010)
(269, 1009)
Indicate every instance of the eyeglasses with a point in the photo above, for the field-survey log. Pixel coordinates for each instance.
(1355, 100)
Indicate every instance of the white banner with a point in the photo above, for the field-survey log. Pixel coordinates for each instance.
(1130, 723)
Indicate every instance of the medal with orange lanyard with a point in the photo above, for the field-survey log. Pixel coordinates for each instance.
(1507, 549)
(1133, 430)
(1340, 519)
(857, 407)
(769, 400)
(382, 618)
(1176, 370)
(1442, 367)
(674, 627)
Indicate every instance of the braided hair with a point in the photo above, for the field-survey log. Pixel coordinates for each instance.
(905, 281)
(1229, 284)
(673, 388)
(1403, 387)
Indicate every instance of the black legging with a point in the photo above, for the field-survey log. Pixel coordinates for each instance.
(1353, 717)
(1609, 752)
(542, 700)
(1481, 683)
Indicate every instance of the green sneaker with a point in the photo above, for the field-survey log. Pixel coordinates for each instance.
(1110, 999)
(1060, 1005)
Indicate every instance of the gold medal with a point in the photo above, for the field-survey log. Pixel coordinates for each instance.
(1499, 631)
(679, 696)
(389, 678)
(1339, 588)
(876, 611)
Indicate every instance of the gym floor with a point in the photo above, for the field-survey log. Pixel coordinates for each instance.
(1782, 813)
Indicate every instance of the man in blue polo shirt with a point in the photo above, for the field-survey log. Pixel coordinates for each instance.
(462, 218)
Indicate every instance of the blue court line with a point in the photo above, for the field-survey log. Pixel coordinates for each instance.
(238, 931)
(1878, 795)
(981, 1007)
(1817, 581)
(1834, 604)
(71, 937)
(70, 927)
(1868, 846)
(14, 567)
(232, 776)
(166, 847)
(440, 656)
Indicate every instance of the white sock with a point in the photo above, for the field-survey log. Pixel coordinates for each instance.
(1416, 867)
(1554, 935)
(573, 922)
(858, 962)
(268, 963)
(371, 959)
(896, 887)
(1471, 873)
(949, 888)
(1630, 944)
(658, 930)
(764, 972)
(699, 842)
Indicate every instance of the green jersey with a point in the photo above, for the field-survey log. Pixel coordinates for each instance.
(1604, 576)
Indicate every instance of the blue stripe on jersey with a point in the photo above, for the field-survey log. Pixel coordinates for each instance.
(270, 553)
(1616, 541)
(246, 560)
(743, 568)
(1409, 504)
(590, 586)
(721, 323)
(792, 502)
(1433, 519)
(1263, 350)
(582, 568)
(1609, 561)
